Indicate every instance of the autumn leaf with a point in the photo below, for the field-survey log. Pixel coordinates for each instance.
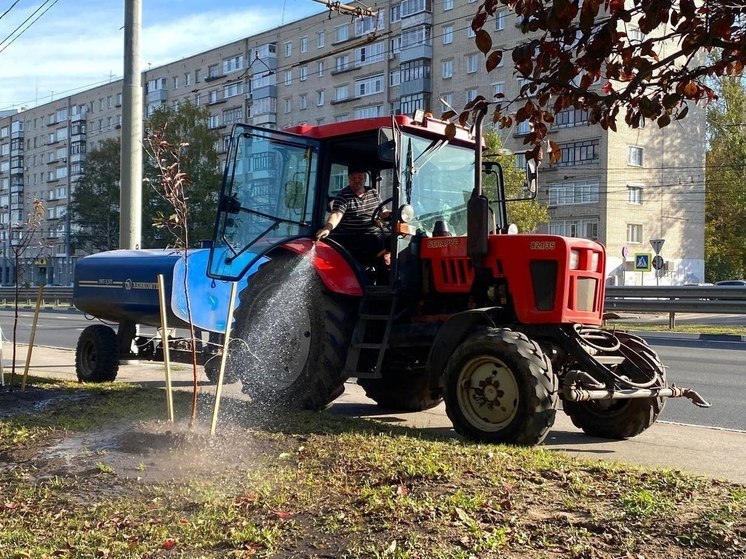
(169, 543)
(483, 41)
(283, 515)
(494, 60)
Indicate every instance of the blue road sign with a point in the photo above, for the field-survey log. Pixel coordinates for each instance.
(642, 261)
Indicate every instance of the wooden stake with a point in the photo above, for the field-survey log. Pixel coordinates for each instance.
(164, 342)
(33, 335)
(223, 359)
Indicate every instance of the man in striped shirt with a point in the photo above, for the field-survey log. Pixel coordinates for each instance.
(351, 221)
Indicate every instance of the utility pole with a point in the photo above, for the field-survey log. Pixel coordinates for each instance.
(130, 179)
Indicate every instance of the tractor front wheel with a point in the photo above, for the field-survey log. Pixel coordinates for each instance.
(500, 388)
(97, 354)
(290, 336)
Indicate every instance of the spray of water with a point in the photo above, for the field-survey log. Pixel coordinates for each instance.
(274, 348)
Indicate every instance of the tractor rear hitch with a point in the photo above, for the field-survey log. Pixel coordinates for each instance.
(575, 394)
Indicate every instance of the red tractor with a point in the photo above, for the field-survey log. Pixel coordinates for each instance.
(499, 325)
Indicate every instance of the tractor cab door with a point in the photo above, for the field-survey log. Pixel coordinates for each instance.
(267, 197)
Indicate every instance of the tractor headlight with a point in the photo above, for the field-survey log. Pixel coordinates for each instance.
(574, 259)
(595, 257)
(406, 213)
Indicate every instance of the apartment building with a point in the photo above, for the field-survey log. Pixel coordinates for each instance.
(622, 189)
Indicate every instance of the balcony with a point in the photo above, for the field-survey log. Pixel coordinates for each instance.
(422, 18)
(416, 52)
(159, 95)
(412, 87)
(214, 77)
(78, 117)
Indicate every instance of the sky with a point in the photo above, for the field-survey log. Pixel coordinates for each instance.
(54, 48)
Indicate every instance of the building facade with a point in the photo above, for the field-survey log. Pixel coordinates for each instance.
(622, 189)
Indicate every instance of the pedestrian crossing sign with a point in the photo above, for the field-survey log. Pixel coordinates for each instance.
(642, 262)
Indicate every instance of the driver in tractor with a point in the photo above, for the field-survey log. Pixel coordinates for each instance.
(351, 222)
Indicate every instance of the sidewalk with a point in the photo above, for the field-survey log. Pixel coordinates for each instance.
(704, 451)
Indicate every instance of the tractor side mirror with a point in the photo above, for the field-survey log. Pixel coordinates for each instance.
(386, 145)
(532, 177)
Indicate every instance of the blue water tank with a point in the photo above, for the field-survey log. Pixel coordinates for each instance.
(119, 285)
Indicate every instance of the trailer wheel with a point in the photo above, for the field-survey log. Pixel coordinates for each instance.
(623, 419)
(500, 388)
(408, 392)
(291, 336)
(97, 354)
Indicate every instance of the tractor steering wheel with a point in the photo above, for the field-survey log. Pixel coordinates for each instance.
(374, 218)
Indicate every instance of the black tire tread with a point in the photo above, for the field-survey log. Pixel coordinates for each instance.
(102, 341)
(517, 351)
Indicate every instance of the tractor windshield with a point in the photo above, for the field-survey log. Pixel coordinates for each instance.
(266, 197)
(442, 178)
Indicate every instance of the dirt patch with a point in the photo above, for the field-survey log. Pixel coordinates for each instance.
(34, 399)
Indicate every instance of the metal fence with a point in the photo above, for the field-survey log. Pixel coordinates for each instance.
(665, 299)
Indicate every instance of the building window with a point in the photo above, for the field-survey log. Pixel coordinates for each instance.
(471, 94)
(369, 86)
(447, 69)
(303, 102)
(187, 83)
(573, 193)
(634, 195)
(288, 77)
(394, 78)
(304, 44)
(447, 34)
(341, 63)
(498, 89)
(415, 70)
(579, 153)
(320, 98)
(635, 35)
(368, 24)
(369, 54)
(213, 96)
(523, 128)
(408, 104)
(233, 64)
(232, 116)
(586, 228)
(416, 36)
(288, 105)
(288, 49)
(472, 63)
(303, 73)
(212, 72)
(395, 13)
(447, 5)
(635, 156)
(395, 45)
(320, 68)
(500, 20)
(368, 112)
(341, 92)
(341, 33)
(634, 233)
(570, 117)
(233, 89)
(320, 39)
(470, 33)
(411, 7)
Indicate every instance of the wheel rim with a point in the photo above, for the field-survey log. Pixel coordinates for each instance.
(488, 393)
(88, 357)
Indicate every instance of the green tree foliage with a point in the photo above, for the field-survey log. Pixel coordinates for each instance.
(725, 203)
(94, 204)
(585, 55)
(188, 126)
(526, 214)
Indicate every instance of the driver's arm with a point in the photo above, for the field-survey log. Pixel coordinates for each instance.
(331, 222)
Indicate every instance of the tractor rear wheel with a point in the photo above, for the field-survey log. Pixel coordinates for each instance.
(623, 419)
(97, 354)
(500, 388)
(290, 336)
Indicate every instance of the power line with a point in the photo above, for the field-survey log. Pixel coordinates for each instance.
(53, 2)
(5, 13)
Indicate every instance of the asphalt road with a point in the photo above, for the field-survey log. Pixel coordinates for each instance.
(716, 369)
